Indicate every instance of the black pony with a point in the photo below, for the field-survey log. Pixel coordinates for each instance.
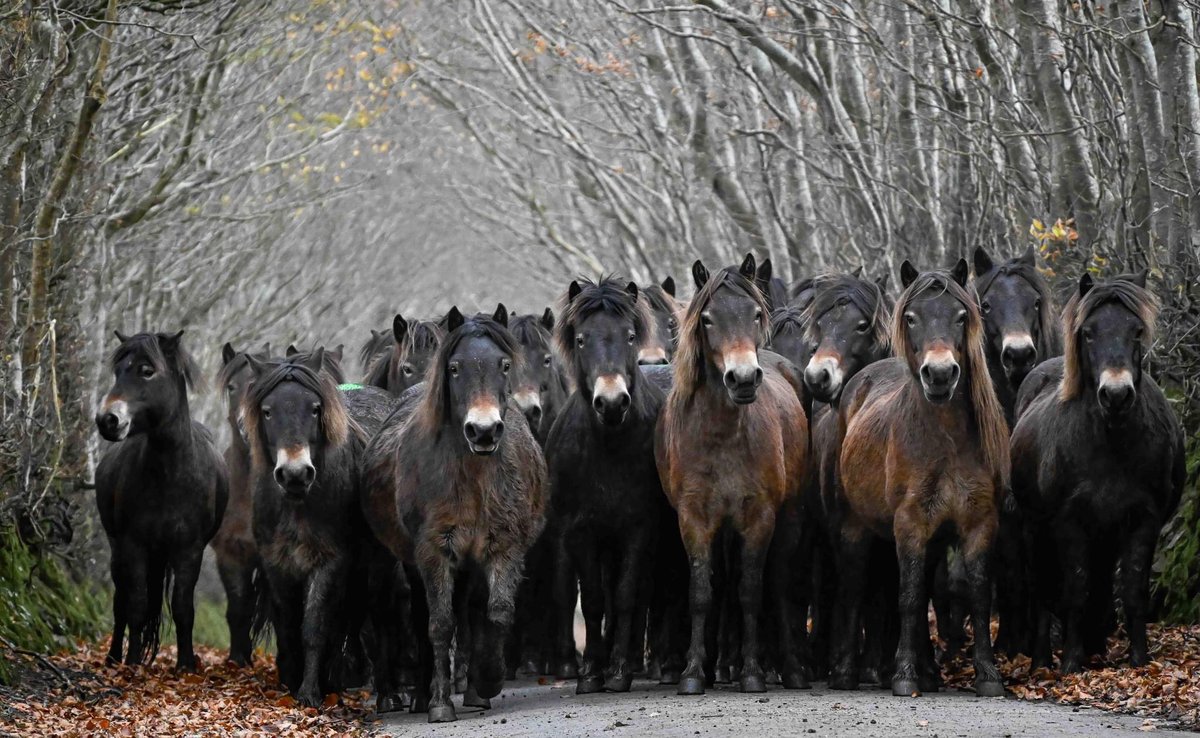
(608, 504)
(662, 338)
(539, 385)
(414, 342)
(1098, 464)
(161, 490)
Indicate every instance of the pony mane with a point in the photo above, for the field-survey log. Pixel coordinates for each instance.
(1136, 299)
(375, 345)
(689, 357)
(985, 406)
(787, 320)
(235, 365)
(422, 335)
(335, 421)
(1049, 336)
(609, 295)
(433, 411)
(176, 361)
(529, 331)
(658, 299)
(832, 290)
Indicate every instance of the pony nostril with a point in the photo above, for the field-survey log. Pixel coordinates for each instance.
(598, 404)
(279, 476)
(758, 376)
(472, 432)
(730, 379)
(623, 401)
(926, 373)
(533, 414)
(310, 475)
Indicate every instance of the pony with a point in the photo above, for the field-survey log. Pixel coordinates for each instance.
(237, 556)
(539, 383)
(1021, 330)
(414, 343)
(773, 290)
(1098, 463)
(305, 449)
(923, 449)
(469, 484)
(608, 505)
(731, 446)
(379, 344)
(161, 489)
(661, 340)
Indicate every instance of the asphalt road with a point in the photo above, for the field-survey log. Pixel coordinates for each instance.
(527, 708)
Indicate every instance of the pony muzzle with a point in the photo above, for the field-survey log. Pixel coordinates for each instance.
(824, 376)
(294, 472)
(1018, 354)
(483, 427)
(529, 402)
(113, 420)
(940, 373)
(1116, 392)
(742, 375)
(610, 398)
(653, 355)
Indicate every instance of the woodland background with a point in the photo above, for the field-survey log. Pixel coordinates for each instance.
(295, 170)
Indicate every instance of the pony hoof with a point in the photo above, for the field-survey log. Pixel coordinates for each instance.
(389, 703)
(753, 683)
(471, 698)
(669, 676)
(796, 680)
(843, 682)
(618, 683)
(420, 703)
(735, 674)
(589, 685)
(989, 689)
(906, 688)
(568, 671)
(309, 699)
(442, 714)
(691, 685)
(722, 675)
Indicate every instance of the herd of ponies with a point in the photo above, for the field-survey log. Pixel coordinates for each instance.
(764, 484)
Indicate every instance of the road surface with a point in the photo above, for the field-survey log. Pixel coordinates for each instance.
(527, 708)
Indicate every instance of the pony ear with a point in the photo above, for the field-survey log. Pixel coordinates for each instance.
(573, 290)
(1029, 258)
(454, 319)
(699, 274)
(668, 286)
(257, 366)
(227, 353)
(1085, 284)
(121, 336)
(291, 351)
(632, 289)
(169, 341)
(501, 314)
(908, 273)
(764, 271)
(266, 352)
(960, 272)
(399, 329)
(748, 268)
(548, 319)
(881, 283)
(338, 353)
(1140, 278)
(315, 361)
(857, 273)
(983, 261)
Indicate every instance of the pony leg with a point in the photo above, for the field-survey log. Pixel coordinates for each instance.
(317, 625)
(750, 593)
(504, 580)
(462, 640)
(1135, 586)
(987, 677)
(564, 611)
(1073, 550)
(626, 604)
(186, 566)
(419, 606)
(120, 577)
(698, 537)
(137, 600)
(591, 599)
(914, 617)
(237, 579)
(439, 593)
(855, 549)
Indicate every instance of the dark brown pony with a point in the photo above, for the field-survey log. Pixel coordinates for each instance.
(413, 346)
(237, 556)
(470, 489)
(161, 490)
(661, 341)
(923, 449)
(731, 448)
(1098, 463)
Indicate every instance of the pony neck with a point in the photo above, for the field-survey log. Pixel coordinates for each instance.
(176, 428)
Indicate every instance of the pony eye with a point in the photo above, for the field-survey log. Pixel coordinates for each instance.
(229, 388)
(266, 413)
(910, 320)
(631, 337)
(862, 326)
(407, 369)
(454, 370)
(1087, 334)
(961, 318)
(1140, 333)
(987, 307)
(146, 371)
(579, 341)
(505, 365)
(1037, 306)
(671, 322)
(758, 313)
(316, 410)
(706, 321)
(548, 360)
